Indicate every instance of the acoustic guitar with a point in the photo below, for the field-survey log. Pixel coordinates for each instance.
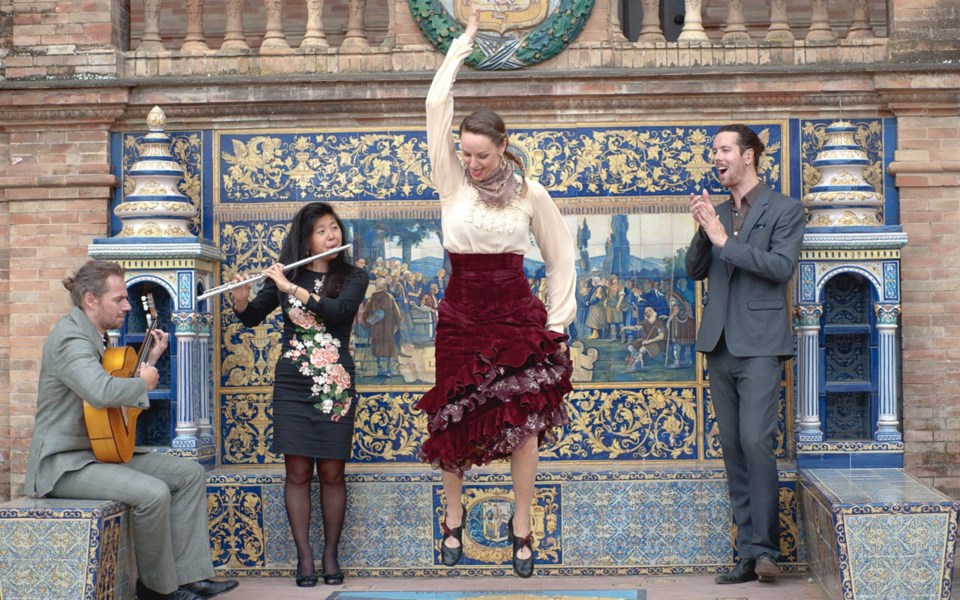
(113, 430)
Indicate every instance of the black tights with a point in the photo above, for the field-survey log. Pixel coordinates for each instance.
(333, 504)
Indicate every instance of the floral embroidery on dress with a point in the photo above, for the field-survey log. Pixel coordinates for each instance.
(316, 354)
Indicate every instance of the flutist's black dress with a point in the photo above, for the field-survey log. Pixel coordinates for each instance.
(299, 427)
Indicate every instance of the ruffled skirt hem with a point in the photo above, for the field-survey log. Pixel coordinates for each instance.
(500, 378)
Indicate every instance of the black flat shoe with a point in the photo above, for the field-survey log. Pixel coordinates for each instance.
(451, 556)
(523, 567)
(333, 578)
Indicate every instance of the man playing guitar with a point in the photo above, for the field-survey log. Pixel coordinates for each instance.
(166, 494)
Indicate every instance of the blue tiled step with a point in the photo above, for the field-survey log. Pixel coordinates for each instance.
(874, 534)
(632, 518)
(65, 549)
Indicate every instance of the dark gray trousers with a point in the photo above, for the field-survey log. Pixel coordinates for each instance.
(745, 392)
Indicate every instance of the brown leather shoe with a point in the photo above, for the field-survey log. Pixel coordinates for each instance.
(766, 568)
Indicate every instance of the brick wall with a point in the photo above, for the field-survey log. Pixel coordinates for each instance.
(928, 174)
(5, 307)
(65, 39)
(55, 185)
(925, 30)
(6, 32)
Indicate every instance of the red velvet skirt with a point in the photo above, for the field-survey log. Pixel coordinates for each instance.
(501, 374)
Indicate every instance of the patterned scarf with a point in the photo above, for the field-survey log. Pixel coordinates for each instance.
(498, 189)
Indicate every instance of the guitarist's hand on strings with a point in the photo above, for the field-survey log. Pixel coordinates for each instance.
(148, 370)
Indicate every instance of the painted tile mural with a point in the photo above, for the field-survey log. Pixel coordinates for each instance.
(623, 192)
(622, 189)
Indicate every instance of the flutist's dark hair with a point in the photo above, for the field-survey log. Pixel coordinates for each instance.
(91, 277)
(747, 139)
(296, 246)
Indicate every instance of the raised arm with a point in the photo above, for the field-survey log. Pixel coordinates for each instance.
(445, 165)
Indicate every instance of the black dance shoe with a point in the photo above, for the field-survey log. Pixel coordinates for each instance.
(333, 578)
(451, 556)
(305, 580)
(523, 567)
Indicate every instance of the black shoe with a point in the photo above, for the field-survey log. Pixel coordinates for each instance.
(305, 580)
(523, 567)
(451, 556)
(145, 593)
(766, 568)
(741, 573)
(333, 578)
(209, 588)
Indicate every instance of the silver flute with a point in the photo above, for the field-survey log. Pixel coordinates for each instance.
(229, 286)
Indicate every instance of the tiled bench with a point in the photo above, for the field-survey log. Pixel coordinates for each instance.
(55, 549)
(877, 534)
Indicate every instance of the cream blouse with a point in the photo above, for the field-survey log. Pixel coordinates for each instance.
(473, 227)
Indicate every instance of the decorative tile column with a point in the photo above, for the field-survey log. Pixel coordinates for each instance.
(808, 401)
(189, 381)
(162, 255)
(205, 395)
(847, 382)
(887, 421)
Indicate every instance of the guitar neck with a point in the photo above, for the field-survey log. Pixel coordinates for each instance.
(146, 345)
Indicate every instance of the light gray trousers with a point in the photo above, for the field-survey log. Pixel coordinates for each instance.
(168, 501)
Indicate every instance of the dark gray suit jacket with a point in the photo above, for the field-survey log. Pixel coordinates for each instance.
(746, 297)
(69, 374)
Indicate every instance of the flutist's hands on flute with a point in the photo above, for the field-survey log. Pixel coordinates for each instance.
(241, 293)
(275, 272)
